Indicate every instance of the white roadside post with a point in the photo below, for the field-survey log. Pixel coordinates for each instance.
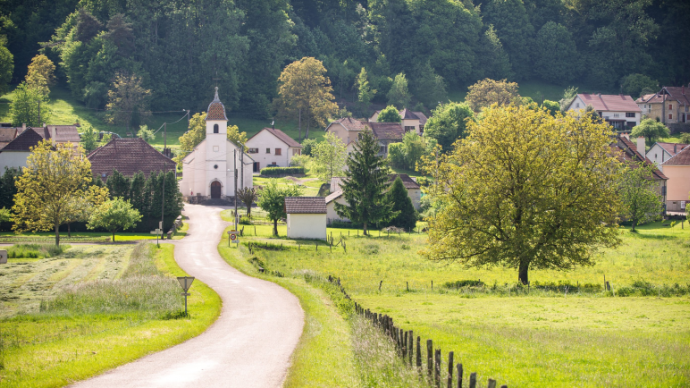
(185, 282)
(157, 232)
(3, 256)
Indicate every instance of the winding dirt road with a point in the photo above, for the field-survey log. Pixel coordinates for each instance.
(248, 346)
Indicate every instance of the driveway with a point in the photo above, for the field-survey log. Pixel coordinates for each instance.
(248, 346)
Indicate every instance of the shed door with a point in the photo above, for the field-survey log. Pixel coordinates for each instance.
(215, 189)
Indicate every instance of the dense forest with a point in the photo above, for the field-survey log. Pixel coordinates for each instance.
(182, 48)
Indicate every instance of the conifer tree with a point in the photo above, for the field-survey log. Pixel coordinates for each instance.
(397, 195)
(364, 186)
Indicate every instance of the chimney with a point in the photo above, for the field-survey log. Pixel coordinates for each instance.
(675, 151)
(640, 146)
(52, 133)
(23, 127)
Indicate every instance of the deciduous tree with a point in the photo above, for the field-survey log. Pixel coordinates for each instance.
(89, 138)
(29, 107)
(127, 100)
(272, 201)
(526, 190)
(399, 95)
(248, 195)
(639, 194)
(6, 66)
(651, 130)
(329, 157)
(114, 215)
(488, 92)
(389, 115)
(41, 75)
(365, 185)
(637, 85)
(146, 134)
(447, 123)
(364, 92)
(556, 54)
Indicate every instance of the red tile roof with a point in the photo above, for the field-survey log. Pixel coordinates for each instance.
(64, 133)
(216, 109)
(667, 93)
(305, 205)
(407, 181)
(672, 148)
(680, 159)
(387, 131)
(282, 136)
(627, 151)
(610, 102)
(128, 156)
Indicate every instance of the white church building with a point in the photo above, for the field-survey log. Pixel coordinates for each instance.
(208, 171)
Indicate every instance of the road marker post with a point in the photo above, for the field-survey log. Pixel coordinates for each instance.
(232, 237)
(3, 256)
(186, 283)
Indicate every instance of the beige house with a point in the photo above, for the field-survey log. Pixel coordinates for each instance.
(349, 130)
(671, 105)
(272, 148)
(619, 110)
(411, 121)
(677, 169)
(306, 217)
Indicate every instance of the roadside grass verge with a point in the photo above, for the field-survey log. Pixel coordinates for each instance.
(93, 326)
(49, 237)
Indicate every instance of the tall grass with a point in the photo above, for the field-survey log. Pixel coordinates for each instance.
(35, 251)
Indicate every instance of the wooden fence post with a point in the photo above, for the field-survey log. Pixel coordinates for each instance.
(410, 342)
(473, 380)
(419, 355)
(492, 383)
(429, 357)
(459, 368)
(380, 283)
(404, 348)
(450, 370)
(437, 367)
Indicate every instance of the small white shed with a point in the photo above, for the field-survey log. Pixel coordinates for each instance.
(306, 217)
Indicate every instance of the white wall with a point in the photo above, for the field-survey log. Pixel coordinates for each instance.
(13, 159)
(416, 197)
(306, 226)
(658, 155)
(412, 123)
(265, 139)
(198, 172)
(331, 214)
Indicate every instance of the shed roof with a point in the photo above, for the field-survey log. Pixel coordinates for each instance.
(305, 205)
(128, 156)
(333, 196)
(610, 102)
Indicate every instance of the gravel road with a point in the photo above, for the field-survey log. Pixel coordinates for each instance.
(248, 346)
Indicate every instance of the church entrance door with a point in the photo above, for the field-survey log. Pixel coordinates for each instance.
(215, 190)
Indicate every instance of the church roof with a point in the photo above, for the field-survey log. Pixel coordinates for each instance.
(216, 109)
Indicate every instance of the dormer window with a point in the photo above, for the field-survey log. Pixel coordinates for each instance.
(215, 128)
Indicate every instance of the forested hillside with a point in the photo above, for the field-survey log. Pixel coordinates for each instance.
(182, 48)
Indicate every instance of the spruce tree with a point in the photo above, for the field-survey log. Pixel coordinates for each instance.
(364, 186)
(402, 204)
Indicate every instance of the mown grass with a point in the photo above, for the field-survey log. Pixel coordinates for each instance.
(77, 236)
(67, 342)
(536, 339)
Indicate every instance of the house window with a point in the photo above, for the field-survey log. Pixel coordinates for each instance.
(297, 151)
(670, 116)
(279, 151)
(670, 106)
(409, 128)
(253, 151)
(215, 128)
(577, 105)
(268, 150)
(615, 115)
(630, 114)
(383, 149)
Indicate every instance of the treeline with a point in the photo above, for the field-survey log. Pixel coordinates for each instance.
(181, 49)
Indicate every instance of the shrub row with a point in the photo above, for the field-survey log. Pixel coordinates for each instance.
(274, 171)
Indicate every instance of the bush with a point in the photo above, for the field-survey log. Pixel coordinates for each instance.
(34, 251)
(275, 171)
(244, 220)
(464, 283)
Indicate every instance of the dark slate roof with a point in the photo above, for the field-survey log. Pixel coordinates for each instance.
(387, 131)
(627, 151)
(128, 156)
(680, 159)
(282, 136)
(30, 137)
(216, 109)
(407, 181)
(7, 135)
(305, 205)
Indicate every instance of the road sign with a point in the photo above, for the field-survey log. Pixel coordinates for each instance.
(185, 283)
(157, 231)
(233, 236)
(3, 257)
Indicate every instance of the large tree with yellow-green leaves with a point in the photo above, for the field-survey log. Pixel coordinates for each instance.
(55, 188)
(526, 190)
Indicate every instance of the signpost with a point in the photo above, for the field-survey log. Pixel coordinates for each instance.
(156, 232)
(185, 282)
(232, 237)
(3, 256)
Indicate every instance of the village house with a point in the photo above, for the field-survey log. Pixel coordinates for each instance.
(128, 157)
(272, 148)
(411, 121)
(671, 105)
(18, 149)
(208, 172)
(661, 152)
(619, 110)
(349, 130)
(306, 217)
(632, 154)
(677, 169)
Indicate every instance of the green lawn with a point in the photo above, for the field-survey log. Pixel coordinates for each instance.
(540, 339)
(55, 348)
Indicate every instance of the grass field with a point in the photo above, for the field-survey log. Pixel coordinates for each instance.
(64, 342)
(540, 339)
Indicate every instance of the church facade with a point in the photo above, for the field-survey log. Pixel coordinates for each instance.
(208, 171)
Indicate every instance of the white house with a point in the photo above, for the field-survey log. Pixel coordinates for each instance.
(661, 152)
(619, 110)
(16, 152)
(272, 147)
(208, 171)
(306, 217)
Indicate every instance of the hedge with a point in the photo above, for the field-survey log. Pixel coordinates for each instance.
(272, 171)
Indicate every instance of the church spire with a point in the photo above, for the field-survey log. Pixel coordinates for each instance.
(216, 109)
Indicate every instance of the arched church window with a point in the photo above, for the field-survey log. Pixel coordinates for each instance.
(215, 128)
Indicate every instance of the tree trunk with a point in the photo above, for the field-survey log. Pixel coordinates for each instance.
(69, 230)
(522, 272)
(113, 236)
(365, 229)
(299, 125)
(306, 133)
(275, 228)
(634, 223)
(57, 234)
(249, 210)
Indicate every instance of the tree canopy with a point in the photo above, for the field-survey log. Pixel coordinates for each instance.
(447, 124)
(651, 130)
(389, 114)
(640, 194)
(114, 215)
(272, 201)
(488, 92)
(329, 157)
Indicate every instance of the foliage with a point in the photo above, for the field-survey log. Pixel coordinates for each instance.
(488, 92)
(195, 134)
(307, 146)
(114, 215)
(569, 95)
(526, 190)
(272, 200)
(8, 186)
(271, 171)
(52, 188)
(402, 205)
(301, 160)
(236, 137)
(407, 153)
(364, 185)
(41, 74)
(639, 194)
(305, 92)
(248, 195)
(329, 157)
(6, 67)
(364, 92)
(448, 123)
(389, 115)
(556, 54)
(685, 138)
(637, 85)
(5, 215)
(89, 138)
(24, 109)
(552, 106)
(651, 130)
(146, 134)
(128, 101)
(513, 27)
(398, 95)
(429, 88)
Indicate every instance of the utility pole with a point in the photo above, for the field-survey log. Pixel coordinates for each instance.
(242, 169)
(234, 163)
(165, 143)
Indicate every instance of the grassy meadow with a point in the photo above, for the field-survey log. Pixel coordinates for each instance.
(91, 308)
(569, 333)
